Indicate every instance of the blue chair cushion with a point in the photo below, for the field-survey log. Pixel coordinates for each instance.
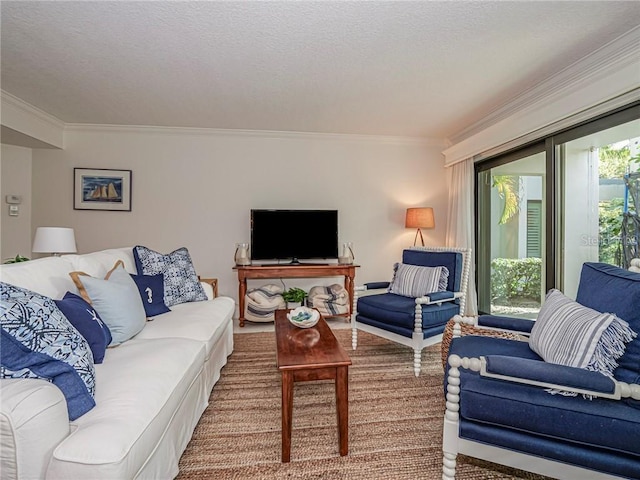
(397, 310)
(594, 458)
(602, 423)
(610, 289)
(500, 403)
(451, 260)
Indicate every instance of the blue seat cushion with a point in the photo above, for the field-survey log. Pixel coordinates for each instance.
(603, 423)
(404, 331)
(598, 459)
(600, 423)
(609, 289)
(396, 310)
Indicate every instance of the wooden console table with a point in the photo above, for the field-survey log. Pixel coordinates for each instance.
(307, 270)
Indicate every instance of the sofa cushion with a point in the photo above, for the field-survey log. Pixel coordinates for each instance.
(134, 407)
(117, 300)
(567, 333)
(181, 283)
(87, 321)
(46, 276)
(151, 288)
(97, 264)
(415, 281)
(201, 321)
(39, 342)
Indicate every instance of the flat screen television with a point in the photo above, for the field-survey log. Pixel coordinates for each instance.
(294, 234)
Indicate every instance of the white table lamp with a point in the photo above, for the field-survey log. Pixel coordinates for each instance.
(54, 240)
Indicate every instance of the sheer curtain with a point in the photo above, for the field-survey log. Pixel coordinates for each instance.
(460, 228)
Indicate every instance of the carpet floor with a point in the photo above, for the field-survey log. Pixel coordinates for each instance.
(395, 420)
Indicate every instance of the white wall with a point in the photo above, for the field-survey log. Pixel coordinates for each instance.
(15, 174)
(195, 188)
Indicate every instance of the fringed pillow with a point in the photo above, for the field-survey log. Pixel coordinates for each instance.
(567, 333)
(415, 281)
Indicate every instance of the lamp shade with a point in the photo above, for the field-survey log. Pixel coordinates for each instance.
(54, 240)
(421, 217)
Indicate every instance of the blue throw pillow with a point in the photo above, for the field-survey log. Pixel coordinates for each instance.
(151, 288)
(87, 321)
(181, 283)
(39, 342)
(116, 299)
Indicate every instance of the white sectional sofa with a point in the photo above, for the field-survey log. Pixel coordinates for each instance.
(150, 391)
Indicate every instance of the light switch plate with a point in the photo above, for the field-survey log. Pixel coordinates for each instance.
(14, 210)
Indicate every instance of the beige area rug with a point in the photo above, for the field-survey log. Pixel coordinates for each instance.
(395, 419)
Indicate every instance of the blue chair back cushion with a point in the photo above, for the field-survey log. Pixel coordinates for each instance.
(451, 260)
(609, 289)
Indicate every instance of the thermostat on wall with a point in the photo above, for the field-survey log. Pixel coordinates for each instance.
(14, 199)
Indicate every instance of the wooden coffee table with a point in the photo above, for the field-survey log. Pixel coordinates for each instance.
(305, 354)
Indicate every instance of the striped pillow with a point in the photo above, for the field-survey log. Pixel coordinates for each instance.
(415, 281)
(567, 333)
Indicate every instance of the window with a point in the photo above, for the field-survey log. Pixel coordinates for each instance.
(546, 208)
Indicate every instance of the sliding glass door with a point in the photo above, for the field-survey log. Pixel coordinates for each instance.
(545, 209)
(598, 217)
(511, 232)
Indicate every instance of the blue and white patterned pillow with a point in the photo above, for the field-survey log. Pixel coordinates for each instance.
(181, 282)
(416, 281)
(570, 334)
(39, 342)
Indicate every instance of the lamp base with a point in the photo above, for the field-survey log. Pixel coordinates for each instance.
(416, 238)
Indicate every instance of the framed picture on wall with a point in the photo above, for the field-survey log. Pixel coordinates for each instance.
(101, 189)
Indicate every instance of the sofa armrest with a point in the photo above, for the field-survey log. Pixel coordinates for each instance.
(522, 326)
(210, 286)
(33, 421)
(548, 375)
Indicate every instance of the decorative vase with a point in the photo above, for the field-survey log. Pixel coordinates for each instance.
(347, 256)
(242, 254)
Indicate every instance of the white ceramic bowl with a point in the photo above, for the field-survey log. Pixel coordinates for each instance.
(303, 317)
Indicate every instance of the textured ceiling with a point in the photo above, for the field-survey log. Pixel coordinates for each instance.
(425, 69)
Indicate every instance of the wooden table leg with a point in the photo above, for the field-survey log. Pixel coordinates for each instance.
(349, 287)
(242, 290)
(287, 410)
(342, 404)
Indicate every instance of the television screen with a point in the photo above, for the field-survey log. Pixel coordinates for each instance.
(294, 234)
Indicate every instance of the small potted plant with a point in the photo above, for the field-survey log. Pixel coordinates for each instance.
(294, 297)
(17, 259)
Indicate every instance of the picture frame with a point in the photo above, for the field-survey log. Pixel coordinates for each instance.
(101, 189)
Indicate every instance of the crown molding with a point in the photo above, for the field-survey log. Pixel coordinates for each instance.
(222, 132)
(30, 125)
(589, 69)
(42, 116)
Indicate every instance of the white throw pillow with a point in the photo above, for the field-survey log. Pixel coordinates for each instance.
(567, 333)
(415, 281)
